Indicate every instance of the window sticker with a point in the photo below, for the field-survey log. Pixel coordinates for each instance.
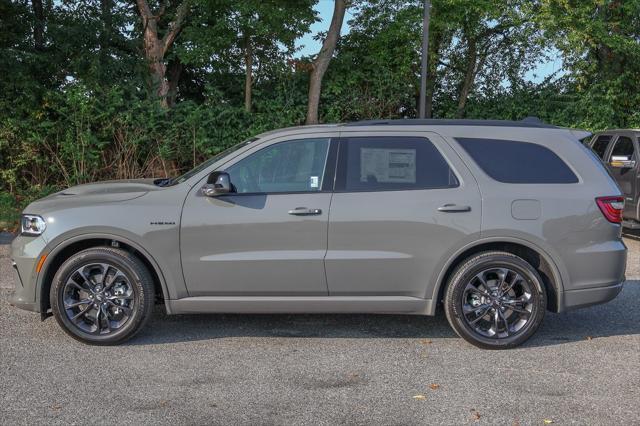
(387, 165)
(314, 181)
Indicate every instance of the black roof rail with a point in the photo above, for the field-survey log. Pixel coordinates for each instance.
(527, 122)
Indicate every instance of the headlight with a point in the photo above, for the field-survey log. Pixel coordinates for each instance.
(33, 225)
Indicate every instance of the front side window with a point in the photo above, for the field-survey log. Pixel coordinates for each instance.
(600, 145)
(292, 166)
(383, 163)
(517, 162)
(623, 149)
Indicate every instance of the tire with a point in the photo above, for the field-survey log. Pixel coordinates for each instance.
(481, 312)
(102, 296)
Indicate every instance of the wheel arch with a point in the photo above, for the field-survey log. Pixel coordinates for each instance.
(538, 258)
(67, 248)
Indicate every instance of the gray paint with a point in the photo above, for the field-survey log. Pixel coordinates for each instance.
(526, 209)
(367, 251)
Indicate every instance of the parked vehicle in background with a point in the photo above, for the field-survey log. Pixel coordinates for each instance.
(498, 221)
(619, 150)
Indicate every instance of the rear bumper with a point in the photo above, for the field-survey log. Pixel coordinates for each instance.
(575, 299)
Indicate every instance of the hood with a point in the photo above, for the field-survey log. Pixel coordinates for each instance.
(93, 193)
(117, 190)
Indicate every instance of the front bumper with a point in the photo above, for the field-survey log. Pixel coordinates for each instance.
(25, 252)
(575, 299)
(17, 297)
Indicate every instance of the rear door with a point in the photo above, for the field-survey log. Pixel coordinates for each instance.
(600, 145)
(401, 203)
(622, 161)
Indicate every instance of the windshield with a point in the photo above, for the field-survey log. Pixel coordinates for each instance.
(210, 161)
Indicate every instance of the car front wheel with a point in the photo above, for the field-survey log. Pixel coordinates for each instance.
(102, 295)
(495, 300)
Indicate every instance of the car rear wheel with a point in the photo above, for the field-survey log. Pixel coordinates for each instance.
(495, 300)
(102, 295)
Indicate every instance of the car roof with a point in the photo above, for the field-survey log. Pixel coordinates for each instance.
(530, 122)
(602, 132)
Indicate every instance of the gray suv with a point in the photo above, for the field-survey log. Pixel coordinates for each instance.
(495, 221)
(618, 149)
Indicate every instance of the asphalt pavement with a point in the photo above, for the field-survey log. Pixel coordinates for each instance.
(581, 367)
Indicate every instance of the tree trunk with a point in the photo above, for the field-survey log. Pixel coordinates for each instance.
(469, 77)
(434, 58)
(248, 79)
(321, 63)
(173, 76)
(157, 68)
(105, 37)
(155, 48)
(38, 27)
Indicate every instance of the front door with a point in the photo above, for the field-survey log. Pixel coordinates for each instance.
(269, 237)
(401, 204)
(623, 163)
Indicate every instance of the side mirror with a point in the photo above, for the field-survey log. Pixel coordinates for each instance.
(622, 162)
(218, 183)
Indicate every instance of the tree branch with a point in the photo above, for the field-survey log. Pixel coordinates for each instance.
(145, 11)
(175, 27)
(162, 10)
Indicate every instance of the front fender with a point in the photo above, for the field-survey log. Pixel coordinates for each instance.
(172, 288)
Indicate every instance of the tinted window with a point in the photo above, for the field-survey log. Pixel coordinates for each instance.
(600, 145)
(623, 147)
(292, 166)
(517, 162)
(383, 163)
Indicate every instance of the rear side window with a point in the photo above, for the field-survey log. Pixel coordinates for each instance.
(387, 163)
(517, 162)
(600, 145)
(622, 149)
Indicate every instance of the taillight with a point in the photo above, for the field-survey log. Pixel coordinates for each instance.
(611, 208)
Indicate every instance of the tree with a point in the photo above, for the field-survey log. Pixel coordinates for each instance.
(492, 42)
(228, 37)
(156, 47)
(599, 42)
(321, 63)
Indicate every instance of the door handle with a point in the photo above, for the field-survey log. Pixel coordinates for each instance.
(452, 208)
(303, 211)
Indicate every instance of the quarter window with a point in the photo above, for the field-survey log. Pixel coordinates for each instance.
(292, 166)
(384, 163)
(517, 162)
(600, 145)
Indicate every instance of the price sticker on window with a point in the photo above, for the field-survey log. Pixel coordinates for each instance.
(314, 181)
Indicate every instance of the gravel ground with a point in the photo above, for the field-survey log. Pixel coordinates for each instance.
(581, 368)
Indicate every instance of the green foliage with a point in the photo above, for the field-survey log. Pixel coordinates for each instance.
(75, 107)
